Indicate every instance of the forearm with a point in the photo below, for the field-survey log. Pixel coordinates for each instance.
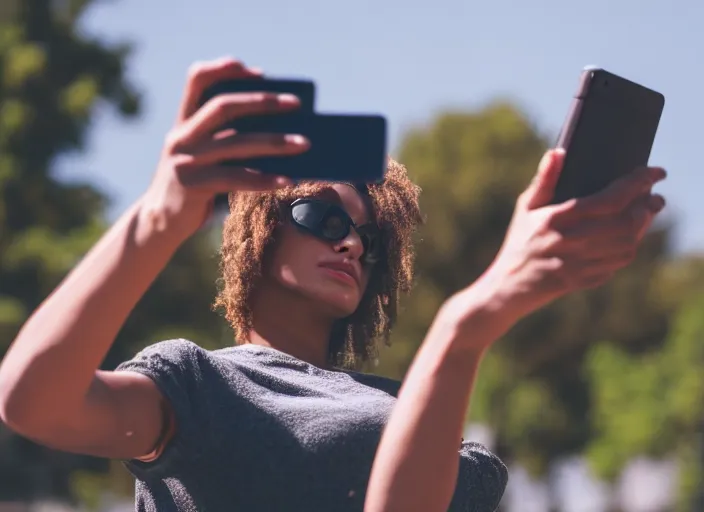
(49, 368)
(417, 461)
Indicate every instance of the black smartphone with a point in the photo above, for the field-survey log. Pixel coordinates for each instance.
(302, 88)
(343, 147)
(609, 132)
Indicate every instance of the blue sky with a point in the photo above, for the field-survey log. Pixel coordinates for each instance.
(409, 60)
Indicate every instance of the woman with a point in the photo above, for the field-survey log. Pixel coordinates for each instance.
(311, 275)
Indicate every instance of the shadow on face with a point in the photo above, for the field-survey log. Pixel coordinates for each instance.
(329, 274)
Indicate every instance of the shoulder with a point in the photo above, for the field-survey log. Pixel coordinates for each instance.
(177, 358)
(175, 351)
(176, 366)
(482, 478)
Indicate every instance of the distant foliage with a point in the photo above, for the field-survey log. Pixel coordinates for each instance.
(51, 79)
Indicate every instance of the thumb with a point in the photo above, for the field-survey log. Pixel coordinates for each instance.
(542, 189)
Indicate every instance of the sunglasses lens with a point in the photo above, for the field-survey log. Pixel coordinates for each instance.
(308, 215)
(334, 226)
(324, 220)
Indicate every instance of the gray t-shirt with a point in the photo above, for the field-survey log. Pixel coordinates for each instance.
(258, 429)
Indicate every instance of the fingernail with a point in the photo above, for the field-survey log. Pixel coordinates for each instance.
(283, 181)
(287, 99)
(256, 71)
(544, 162)
(656, 203)
(658, 174)
(297, 140)
(559, 151)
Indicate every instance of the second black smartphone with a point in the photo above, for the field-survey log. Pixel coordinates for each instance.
(609, 132)
(343, 147)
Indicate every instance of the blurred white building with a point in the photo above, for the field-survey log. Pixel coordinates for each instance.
(645, 485)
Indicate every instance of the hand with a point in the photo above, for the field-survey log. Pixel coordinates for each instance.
(552, 250)
(190, 172)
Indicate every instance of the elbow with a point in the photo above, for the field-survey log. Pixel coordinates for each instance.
(13, 409)
(15, 412)
(26, 418)
(7, 399)
(27, 403)
(21, 411)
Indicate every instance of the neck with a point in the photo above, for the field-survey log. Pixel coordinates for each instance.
(289, 324)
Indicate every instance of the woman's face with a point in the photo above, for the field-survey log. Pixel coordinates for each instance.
(331, 274)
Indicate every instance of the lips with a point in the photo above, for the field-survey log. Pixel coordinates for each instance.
(348, 268)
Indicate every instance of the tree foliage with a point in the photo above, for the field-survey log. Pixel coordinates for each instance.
(652, 403)
(51, 78)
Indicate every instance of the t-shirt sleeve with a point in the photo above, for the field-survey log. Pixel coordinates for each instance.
(481, 481)
(173, 365)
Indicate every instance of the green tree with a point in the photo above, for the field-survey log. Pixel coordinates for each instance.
(51, 78)
(532, 389)
(651, 403)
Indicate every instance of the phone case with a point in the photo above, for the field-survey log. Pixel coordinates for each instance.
(609, 132)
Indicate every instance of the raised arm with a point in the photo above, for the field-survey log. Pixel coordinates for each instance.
(50, 389)
(549, 251)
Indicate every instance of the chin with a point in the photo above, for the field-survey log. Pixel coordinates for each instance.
(337, 307)
(335, 302)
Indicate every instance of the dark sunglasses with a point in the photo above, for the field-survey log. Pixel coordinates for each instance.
(330, 222)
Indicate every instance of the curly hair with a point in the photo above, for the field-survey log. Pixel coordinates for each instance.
(249, 231)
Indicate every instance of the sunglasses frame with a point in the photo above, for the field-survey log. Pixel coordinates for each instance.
(370, 231)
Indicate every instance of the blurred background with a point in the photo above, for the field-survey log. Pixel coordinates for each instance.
(595, 403)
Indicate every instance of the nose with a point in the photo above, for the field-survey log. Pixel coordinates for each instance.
(351, 244)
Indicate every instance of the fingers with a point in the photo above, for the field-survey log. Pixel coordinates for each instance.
(619, 195)
(542, 189)
(224, 179)
(197, 146)
(248, 145)
(224, 108)
(201, 169)
(654, 204)
(602, 237)
(205, 74)
(583, 242)
(593, 251)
